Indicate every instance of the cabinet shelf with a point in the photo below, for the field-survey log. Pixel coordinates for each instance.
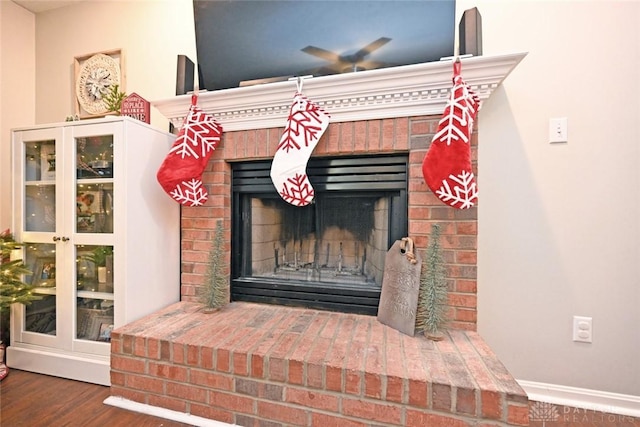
(95, 295)
(94, 181)
(45, 291)
(39, 183)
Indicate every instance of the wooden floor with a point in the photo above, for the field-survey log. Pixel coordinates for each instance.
(35, 400)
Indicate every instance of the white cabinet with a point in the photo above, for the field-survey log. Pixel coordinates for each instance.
(102, 240)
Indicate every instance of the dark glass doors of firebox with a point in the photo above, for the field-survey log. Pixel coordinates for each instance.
(329, 254)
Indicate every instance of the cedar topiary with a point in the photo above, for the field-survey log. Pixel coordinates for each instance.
(431, 315)
(215, 292)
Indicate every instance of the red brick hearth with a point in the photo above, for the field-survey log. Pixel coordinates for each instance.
(259, 365)
(273, 366)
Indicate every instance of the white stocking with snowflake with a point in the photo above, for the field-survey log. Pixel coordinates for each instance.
(305, 125)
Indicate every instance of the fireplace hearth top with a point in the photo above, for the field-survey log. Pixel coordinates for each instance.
(403, 91)
(252, 364)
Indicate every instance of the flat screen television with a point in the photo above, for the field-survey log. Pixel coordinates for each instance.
(241, 42)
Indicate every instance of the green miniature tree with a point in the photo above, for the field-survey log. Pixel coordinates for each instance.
(431, 315)
(12, 288)
(113, 99)
(214, 294)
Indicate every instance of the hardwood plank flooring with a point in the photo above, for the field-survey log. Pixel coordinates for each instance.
(34, 400)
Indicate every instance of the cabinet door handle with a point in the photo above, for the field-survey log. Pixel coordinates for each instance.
(56, 239)
(65, 239)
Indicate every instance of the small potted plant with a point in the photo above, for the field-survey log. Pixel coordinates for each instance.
(113, 99)
(100, 257)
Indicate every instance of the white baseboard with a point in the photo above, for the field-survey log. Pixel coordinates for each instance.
(591, 400)
(60, 363)
(168, 414)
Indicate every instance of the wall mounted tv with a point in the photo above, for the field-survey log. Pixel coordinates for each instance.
(241, 41)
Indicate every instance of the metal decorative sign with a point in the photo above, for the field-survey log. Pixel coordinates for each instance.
(137, 107)
(400, 287)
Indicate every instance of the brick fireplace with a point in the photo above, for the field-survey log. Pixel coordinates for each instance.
(383, 112)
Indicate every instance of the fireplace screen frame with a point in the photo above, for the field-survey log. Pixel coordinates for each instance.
(376, 175)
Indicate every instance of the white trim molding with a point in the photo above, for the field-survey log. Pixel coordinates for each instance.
(403, 91)
(590, 400)
(168, 414)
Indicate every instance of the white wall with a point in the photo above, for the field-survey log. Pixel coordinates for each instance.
(17, 89)
(150, 33)
(559, 225)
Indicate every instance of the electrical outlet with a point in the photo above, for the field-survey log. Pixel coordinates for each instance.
(582, 329)
(558, 130)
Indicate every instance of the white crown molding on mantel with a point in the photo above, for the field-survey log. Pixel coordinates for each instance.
(402, 91)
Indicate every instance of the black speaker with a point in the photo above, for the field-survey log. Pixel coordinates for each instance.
(470, 30)
(185, 75)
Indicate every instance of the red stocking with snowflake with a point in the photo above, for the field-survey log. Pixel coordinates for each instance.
(305, 125)
(447, 165)
(180, 174)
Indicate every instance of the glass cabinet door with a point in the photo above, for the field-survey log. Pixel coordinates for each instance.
(94, 301)
(40, 185)
(94, 184)
(38, 223)
(41, 315)
(93, 228)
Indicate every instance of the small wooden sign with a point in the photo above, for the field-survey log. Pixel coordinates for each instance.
(137, 107)
(400, 289)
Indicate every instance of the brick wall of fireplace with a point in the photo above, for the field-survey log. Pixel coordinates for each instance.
(410, 135)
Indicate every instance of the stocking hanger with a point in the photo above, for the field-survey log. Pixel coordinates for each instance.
(300, 82)
(456, 58)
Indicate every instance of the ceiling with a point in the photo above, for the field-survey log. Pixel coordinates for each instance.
(37, 6)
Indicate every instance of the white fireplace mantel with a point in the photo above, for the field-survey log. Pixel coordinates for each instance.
(403, 91)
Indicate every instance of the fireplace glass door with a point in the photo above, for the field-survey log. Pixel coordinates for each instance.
(327, 255)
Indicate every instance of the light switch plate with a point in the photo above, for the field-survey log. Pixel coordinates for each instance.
(558, 130)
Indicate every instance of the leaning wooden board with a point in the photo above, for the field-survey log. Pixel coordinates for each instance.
(400, 287)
